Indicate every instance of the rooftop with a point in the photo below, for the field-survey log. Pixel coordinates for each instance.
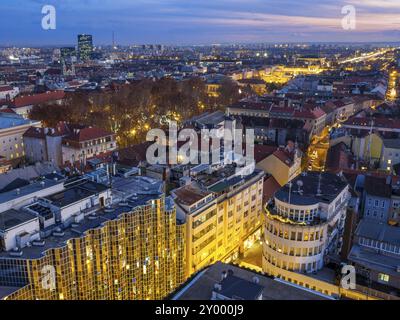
(76, 193)
(28, 189)
(9, 120)
(330, 186)
(79, 134)
(237, 288)
(189, 195)
(38, 98)
(378, 231)
(377, 186)
(391, 143)
(202, 286)
(133, 192)
(12, 218)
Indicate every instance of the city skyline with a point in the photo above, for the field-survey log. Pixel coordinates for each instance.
(187, 22)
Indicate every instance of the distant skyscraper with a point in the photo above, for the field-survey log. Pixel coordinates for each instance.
(85, 46)
(67, 53)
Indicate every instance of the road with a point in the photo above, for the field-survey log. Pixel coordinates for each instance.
(252, 256)
(318, 151)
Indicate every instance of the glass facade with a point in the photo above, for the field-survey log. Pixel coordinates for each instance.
(85, 47)
(138, 256)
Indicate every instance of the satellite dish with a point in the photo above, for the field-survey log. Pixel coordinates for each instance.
(300, 183)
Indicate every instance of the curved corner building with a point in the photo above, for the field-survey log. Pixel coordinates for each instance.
(304, 223)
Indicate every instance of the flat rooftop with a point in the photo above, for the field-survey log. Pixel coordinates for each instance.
(12, 120)
(330, 185)
(76, 193)
(135, 191)
(368, 228)
(139, 189)
(74, 231)
(12, 218)
(224, 178)
(28, 189)
(211, 119)
(201, 287)
(189, 195)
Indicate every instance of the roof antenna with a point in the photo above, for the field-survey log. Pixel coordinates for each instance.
(319, 192)
(290, 190)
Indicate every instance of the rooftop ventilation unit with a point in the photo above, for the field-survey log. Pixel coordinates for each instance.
(299, 186)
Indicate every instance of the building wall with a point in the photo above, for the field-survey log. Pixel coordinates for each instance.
(395, 209)
(298, 237)
(219, 231)
(30, 227)
(72, 154)
(25, 199)
(35, 149)
(12, 143)
(10, 94)
(279, 170)
(361, 148)
(23, 111)
(389, 157)
(54, 150)
(132, 258)
(377, 208)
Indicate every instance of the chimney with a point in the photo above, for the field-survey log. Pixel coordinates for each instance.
(224, 274)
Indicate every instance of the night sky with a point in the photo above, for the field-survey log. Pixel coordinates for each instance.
(198, 21)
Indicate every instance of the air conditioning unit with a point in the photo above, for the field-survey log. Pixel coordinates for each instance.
(398, 269)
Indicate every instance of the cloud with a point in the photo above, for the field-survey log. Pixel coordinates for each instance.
(193, 20)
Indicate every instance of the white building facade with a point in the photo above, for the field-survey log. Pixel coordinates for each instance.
(305, 223)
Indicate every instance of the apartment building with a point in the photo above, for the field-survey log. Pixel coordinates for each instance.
(8, 92)
(376, 255)
(222, 213)
(85, 142)
(304, 224)
(12, 129)
(284, 164)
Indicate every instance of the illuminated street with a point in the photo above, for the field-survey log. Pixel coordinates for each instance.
(317, 152)
(252, 257)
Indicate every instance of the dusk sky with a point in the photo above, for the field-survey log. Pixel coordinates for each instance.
(198, 21)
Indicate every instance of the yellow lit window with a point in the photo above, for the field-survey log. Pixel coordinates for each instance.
(383, 277)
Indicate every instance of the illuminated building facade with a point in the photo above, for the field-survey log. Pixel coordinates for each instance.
(305, 223)
(12, 129)
(131, 251)
(223, 216)
(85, 46)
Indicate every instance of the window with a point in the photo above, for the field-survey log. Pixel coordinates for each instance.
(383, 277)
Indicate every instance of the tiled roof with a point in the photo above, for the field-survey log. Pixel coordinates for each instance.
(7, 110)
(378, 187)
(263, 151)
(38, 98)
(378, 122)
(270, 187)
(6, 88)
(284, 156)
(85, 134)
